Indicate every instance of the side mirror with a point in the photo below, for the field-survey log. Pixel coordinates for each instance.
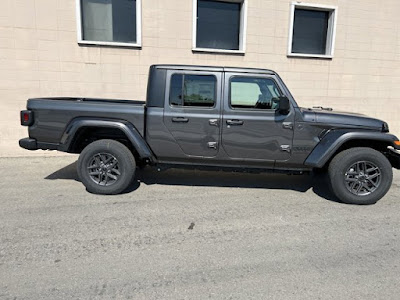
(284, 105)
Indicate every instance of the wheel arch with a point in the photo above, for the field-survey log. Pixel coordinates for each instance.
(82, 131)
(337, 141)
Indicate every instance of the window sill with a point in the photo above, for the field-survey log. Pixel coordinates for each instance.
(211, 50)
(310, 55)
(111, 44)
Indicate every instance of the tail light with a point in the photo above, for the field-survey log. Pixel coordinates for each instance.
(26, 117)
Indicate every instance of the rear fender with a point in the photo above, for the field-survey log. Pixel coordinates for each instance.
(127, 128)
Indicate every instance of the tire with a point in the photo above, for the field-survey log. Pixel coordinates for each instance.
(106, 167)
(351, 184)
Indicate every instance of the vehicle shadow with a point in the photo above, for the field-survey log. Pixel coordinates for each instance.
(149, 176)
(68, 172)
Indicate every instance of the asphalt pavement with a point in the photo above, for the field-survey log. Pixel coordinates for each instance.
(184, 234)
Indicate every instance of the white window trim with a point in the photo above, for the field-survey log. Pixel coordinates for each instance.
(242, 32)
(330, 37)
(138, 43)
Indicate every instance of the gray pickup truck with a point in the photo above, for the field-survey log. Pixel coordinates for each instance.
(215, 117)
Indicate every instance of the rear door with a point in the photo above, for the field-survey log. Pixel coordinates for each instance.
(192, 111)
(252, 126)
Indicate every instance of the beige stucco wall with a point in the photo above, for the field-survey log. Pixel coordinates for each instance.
(39, 56)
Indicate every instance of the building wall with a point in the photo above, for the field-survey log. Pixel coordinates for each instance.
(39, 56)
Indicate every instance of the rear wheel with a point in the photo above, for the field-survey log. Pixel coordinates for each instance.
(360, 175)
(106, 167)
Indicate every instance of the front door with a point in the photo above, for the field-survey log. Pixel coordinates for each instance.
(252, 126)
(192, 111)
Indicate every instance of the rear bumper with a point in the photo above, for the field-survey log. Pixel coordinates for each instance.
(28, 143)
(394, 158)
(33, 144)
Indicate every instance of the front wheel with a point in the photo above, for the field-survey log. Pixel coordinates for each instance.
(106, 167)
(360, 175)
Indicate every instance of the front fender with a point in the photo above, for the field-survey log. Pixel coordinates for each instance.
(332, 141)
(127, 128)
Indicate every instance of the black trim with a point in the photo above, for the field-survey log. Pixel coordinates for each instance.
(28, 143)
(162, 166)
(336, 138)
(127, 128)
(32, 144)
(394, 158)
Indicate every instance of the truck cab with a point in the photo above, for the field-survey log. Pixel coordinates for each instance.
(220, 115)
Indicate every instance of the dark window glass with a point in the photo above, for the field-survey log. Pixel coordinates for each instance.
(192, 90)
(109, 20)
(249, 92)
(175, 90)
(310, 31)
(218, 25)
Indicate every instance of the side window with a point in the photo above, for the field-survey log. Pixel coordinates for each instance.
(192, 90)
(255, 93)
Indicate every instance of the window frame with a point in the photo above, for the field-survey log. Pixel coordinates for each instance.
(330, 36)
(242, 31)
(81, 41)
(190, 106)
(251, 109)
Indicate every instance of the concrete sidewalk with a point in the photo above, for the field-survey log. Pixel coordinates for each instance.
(191, 235)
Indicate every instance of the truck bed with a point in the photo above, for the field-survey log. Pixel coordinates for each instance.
(52, 115)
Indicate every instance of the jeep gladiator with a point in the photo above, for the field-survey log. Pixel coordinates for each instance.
(215, 117)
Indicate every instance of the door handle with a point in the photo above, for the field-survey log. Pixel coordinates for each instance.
(287, 125)
(212, 145)
(180, 120)
(234, 122)
(213, 122)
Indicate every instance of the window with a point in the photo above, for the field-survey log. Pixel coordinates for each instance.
(256, 93)
(219, 26)
(312, 30)
(109, 22)
(192, 90)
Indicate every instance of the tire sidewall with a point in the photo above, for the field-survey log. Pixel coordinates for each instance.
(345, 160)
(126, 166)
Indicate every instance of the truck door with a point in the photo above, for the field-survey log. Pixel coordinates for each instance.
(192, 111)
(252, 126)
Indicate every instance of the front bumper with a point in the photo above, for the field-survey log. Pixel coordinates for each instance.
(394, 158)
(28, 143)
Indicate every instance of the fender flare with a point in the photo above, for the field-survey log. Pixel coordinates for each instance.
(332, 141)
(127, 128)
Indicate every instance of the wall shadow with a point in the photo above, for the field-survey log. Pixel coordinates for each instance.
(183, 177)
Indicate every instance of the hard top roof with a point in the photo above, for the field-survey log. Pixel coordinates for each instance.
(214, 69)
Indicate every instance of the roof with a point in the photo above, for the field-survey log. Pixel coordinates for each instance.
(214, 69)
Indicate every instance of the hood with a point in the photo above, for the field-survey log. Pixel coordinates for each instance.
(347, 119)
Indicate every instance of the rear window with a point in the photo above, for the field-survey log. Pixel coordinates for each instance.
(192, 90)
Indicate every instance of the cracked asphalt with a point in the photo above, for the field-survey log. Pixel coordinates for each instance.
(191, 235)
